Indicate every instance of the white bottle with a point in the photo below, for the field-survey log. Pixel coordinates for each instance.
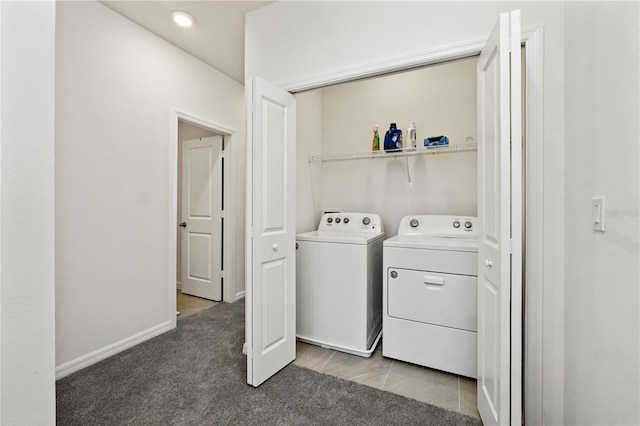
(411, 135)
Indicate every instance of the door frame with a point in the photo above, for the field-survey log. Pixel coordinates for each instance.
(230, 206)
(533, 265)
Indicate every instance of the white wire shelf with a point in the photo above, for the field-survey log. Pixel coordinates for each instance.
(409, 152)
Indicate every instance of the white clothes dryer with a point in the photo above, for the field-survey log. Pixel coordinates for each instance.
(430, 293)
(339, 283)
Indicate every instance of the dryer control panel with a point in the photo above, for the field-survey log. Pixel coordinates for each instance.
(439, 226)
(351, 222)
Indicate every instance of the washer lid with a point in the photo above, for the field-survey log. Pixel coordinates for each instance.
(339, 237)
(433, 243)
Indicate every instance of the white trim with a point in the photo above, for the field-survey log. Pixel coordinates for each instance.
(534, 267)
(517, 223)
(173, 219)
(400, 63)
(230, 190)
(207, 124)
(112, 349)
(178, 283)
(248, 248)
(534, 209)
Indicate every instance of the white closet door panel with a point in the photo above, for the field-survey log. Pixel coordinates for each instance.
(500, 217)
(270, 297)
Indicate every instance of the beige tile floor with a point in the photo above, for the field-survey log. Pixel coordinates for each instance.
(449, 391)
(188, 304)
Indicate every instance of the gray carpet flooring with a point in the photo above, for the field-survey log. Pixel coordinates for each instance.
(196, 375)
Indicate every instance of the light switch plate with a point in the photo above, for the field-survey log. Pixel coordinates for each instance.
(597, 211)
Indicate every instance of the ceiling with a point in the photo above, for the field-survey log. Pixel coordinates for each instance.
(216, 38)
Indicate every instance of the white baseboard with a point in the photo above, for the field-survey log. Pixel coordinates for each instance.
(179, 285)
(239, 296)
(104, 353)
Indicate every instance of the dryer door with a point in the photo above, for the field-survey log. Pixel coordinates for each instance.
(429, 297)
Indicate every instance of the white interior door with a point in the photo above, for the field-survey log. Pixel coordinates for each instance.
(201, 212)
(500, 217)
(270, 293)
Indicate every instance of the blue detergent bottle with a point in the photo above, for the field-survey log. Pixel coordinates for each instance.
(393, 138)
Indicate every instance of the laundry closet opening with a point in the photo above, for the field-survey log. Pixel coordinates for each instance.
(334, 132)
(336, 173)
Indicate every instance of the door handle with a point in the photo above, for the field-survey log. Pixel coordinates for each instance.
(274, 247)
(433, 283)
(183, 224)
(488, 263)
(430, 280)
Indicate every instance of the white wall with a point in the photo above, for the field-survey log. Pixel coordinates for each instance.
(288, 43)
(27, 340)
(602, 92)
(117, 85)
(309, 142)
(441, 100)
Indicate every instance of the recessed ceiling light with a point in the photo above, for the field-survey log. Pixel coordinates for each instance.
(182, 18)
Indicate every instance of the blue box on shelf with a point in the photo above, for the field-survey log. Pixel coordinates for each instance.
(436, 141)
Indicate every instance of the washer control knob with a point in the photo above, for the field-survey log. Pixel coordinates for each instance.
(345, 220)
(337, 220)
(366, 220)
(456, 224)
(329, 219)
(413, 223)
(394, 274)
(468, 225)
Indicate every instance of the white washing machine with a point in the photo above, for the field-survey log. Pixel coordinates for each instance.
(339, 283)
(430, 293)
